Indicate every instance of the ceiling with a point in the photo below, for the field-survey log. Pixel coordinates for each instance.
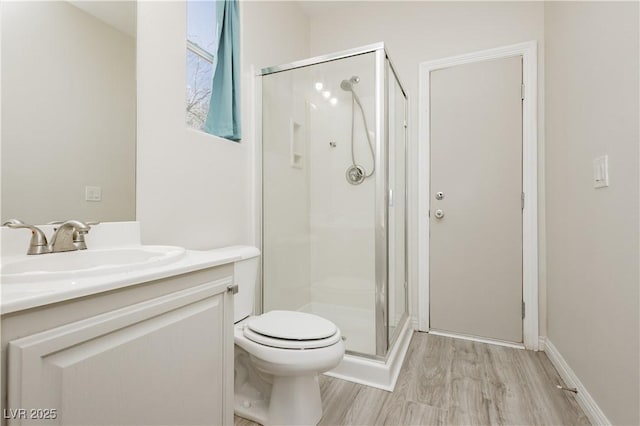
(116, 13)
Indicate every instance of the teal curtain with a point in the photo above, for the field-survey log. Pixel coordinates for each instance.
(223, 118)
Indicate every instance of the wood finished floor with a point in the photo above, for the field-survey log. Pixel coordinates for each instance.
(446, 381)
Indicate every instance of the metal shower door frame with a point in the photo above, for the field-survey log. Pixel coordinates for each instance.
(381, 215)
(383, 339)
(405, 316)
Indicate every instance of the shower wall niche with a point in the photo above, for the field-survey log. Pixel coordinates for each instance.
(334, 204)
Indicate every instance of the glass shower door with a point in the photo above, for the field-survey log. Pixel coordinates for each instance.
(319, 194)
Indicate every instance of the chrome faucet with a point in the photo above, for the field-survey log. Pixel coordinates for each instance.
(78, 237)
(69, 236)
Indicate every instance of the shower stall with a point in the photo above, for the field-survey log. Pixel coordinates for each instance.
(334, 205)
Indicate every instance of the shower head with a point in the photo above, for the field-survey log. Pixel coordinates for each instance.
(347, 85)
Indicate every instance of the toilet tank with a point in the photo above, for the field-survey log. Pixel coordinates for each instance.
(245, 275)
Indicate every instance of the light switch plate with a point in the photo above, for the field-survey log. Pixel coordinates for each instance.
(601, 171)
(93, 193)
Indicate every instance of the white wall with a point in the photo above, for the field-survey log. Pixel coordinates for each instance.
(420, 31)
(592, 242)
(197, 190)
(68, 114)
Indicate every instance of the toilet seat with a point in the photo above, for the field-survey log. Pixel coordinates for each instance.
(289, 343)
(291, 330)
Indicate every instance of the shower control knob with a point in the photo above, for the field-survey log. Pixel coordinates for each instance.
(355, 174)
(439, 214)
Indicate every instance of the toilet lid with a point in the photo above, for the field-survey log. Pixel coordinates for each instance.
(290, 344)
(292, 325)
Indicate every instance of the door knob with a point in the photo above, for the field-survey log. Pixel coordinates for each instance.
(439, 195)
(439, 214)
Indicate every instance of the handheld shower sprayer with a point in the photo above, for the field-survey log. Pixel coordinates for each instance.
(356, 174)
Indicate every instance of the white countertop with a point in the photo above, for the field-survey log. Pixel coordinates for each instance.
(21, 296)
(17, 296)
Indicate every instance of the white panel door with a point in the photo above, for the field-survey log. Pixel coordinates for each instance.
(476, 221)
(164, 361)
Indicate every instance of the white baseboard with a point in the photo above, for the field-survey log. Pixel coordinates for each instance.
(414, 323)
(541, 343)
(584, 399)
(477, 339)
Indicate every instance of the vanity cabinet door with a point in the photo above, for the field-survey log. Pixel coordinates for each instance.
(165, 361)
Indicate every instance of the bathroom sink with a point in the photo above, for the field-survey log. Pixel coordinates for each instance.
(81, 263)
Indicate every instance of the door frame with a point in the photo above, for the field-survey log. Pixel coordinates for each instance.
(528, 51)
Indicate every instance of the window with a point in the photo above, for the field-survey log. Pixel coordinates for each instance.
(213, 68)
(202, 43)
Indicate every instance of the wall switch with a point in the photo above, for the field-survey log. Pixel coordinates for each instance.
(601, 171)
(93, 193)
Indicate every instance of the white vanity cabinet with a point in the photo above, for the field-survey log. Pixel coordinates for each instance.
(150, 354)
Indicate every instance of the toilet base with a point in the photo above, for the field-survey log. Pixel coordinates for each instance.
(294, 400)
(250, 404)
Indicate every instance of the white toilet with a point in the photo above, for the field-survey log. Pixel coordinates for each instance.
(278, 356)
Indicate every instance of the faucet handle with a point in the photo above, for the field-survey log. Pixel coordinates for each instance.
(78, 237)
(13, 222)
(38, 243)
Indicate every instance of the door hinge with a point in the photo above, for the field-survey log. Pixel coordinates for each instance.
(523, 309)
(522, 91)
(522, 201)
(405, 123)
